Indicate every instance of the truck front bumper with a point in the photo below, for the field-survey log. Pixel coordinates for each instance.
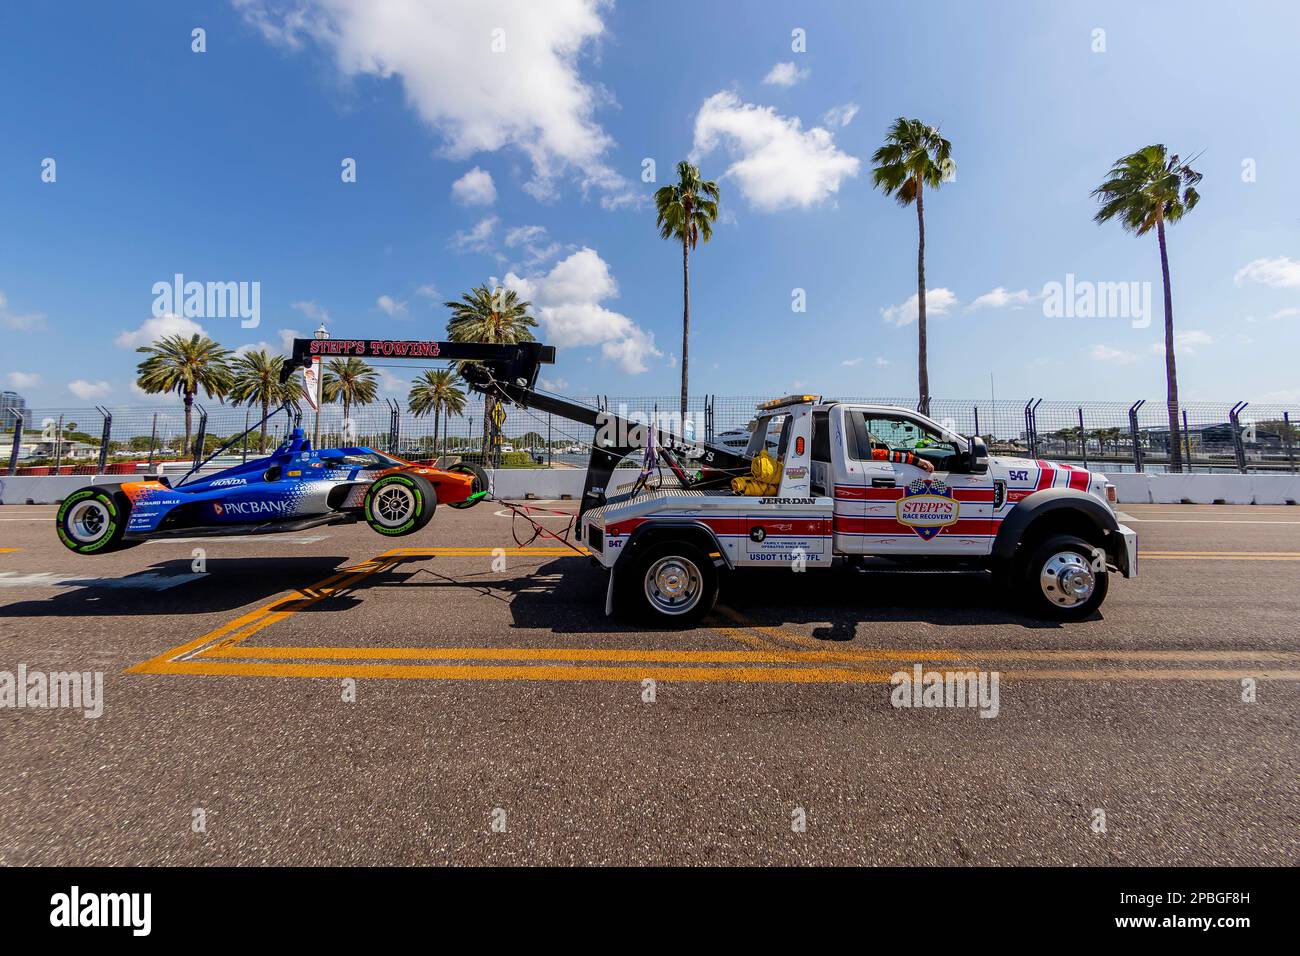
(1125, 551)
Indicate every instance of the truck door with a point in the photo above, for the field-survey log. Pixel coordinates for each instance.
(907, 510)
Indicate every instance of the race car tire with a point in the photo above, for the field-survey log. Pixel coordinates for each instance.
(93, 520)
(1064, 579)
(671, 583)
(399, 504)
(481, 483)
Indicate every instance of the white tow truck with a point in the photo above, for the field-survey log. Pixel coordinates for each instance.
(852, 486)
(850, 481)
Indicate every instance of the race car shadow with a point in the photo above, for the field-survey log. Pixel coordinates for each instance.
(175, 587)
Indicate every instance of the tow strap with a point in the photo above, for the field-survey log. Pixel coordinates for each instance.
(526, 512)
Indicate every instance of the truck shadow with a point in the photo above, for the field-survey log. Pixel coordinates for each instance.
(845, 597)
(174, 588)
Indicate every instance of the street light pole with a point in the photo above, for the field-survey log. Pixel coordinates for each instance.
(321, 334)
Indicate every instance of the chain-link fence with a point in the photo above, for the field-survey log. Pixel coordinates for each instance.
(1120, 436)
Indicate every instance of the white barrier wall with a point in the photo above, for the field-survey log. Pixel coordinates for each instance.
(516, 483)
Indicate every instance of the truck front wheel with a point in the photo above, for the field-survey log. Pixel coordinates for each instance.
(1065, 579)
(673, 583)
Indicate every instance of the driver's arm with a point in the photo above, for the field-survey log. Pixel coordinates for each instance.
(901, 458)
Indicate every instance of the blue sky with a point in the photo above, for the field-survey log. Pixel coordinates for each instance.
(225, 166)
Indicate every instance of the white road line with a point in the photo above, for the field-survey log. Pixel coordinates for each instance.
(1199, 521)
(148, 581)
(214, 538)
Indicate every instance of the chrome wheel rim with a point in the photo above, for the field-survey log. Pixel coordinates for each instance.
(393, 505)
(1067, 579)
(89, 522)
(673, 585)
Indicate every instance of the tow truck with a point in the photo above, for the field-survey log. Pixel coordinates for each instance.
(844, 483)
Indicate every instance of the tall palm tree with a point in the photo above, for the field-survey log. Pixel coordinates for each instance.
(184, 366)
(685, 211)
(436, 391)
(256, 381)
(496, 317)
(351, 381)
(1145, 190)
(914, 156)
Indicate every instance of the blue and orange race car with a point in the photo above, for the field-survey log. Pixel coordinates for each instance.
(295, 487)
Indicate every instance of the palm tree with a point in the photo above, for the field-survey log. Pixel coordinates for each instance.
(496, 317)
(256, 381)
(351, 381)
(184, 366)
(436, 391)
(1147, 189)
(685, 211)
(914, 156)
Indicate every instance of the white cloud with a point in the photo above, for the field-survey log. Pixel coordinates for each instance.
(853, 361)
(785, 74)
(1280, 273)
(24, 379)
(535, 242)
(475, 188)
(310, 309)
(390, 306)
(999, 298)
(841, 115)
(526, 93)
(1104, 353)
(286, 339)
(554, 384)
(1287, 313)
(937, 302)
(89, 391)
(777, 164)
(428, 291)
(1185, 343)
(882, 361)
(567, 303)
(19, 322)
(155, 328)
(478, 239)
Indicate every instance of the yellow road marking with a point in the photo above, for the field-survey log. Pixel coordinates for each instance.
(1211, 556)
(9, 550)
(794, 675)
(774, 655)
(210, 654)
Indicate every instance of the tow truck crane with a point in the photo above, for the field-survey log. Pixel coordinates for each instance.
(847, 480)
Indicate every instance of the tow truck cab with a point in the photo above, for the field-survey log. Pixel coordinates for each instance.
(1048, 530)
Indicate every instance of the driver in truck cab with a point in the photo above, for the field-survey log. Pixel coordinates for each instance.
(880, 451)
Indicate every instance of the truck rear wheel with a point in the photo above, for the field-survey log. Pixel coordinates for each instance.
(1064, 580)
(399, 504)
(672, 583)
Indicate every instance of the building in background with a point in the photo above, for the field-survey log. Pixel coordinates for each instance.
(13, 407)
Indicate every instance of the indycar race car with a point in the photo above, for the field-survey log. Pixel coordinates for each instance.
(296, 487)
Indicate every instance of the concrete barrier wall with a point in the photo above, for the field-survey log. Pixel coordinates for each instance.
(517, 483)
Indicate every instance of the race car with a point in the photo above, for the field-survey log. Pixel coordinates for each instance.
(294, 488)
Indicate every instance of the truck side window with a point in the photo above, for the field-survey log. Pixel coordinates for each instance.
(821, 436)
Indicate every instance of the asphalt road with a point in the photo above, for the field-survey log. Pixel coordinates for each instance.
(490, 699)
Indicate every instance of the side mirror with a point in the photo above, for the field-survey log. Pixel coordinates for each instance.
(979, 456)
